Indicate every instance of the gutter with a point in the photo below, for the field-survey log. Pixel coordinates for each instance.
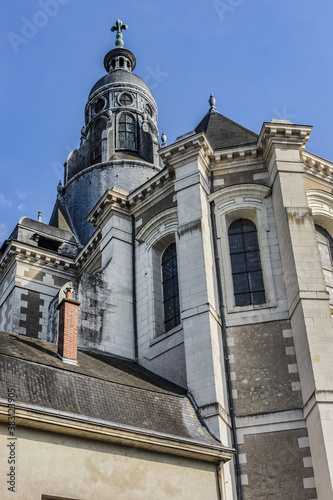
(35, 416)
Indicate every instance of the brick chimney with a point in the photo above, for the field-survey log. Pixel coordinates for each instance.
(67, 333)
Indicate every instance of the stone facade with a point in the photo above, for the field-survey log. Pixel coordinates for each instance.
(260, 373)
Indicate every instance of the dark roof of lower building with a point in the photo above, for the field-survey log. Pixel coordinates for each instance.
(224, 133)
(102, 387)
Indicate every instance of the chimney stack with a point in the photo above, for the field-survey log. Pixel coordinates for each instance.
(68, 324)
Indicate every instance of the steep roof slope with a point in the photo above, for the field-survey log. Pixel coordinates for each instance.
(101, 387)
(224, 133)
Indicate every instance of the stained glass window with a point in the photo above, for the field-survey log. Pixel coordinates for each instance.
(245, 263)
(126, 131)
(170, 288)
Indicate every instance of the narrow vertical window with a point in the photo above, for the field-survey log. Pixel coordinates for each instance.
(245, 263)
(325, 244)
(126, 131)
(170, 288)
(99, 126)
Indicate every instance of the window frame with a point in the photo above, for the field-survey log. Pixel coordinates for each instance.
(247, 201)
(170, 295)
(155, 236)
(244, 253)
(329, 246)
(121, 115)
(97, 158)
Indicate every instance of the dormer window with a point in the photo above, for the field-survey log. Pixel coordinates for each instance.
(126, 127)
(48, 244)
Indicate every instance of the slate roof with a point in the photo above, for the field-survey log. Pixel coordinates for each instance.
(41, 227)
(101, 386)
(224, 133)
(122, 77)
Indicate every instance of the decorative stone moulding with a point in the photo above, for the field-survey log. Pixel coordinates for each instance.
(186, 146)
(243, 153)
(316, 164)
(321, 206)
(284, 133)
(30, 255)
(156, 182)
(158, 227)
(86, 252)
(111, 198)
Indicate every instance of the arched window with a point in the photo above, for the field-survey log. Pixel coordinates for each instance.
(99, 126)
(325, 244)
(245, 263)
(126, 131)
(170, 288)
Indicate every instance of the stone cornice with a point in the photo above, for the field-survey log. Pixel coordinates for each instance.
(150, 186)
(318, 397)
(316, 165)
(112, 198)
(187, 147)
(104, 165)
(88, 428)
(238, 154)
(32, 255)
(89, 250)
(284, 133)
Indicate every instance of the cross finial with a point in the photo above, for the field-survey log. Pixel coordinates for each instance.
(119, 26)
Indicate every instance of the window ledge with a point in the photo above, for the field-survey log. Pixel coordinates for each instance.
(255, 307)
(166, 335)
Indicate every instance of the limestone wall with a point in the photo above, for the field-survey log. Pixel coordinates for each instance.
(60, 466)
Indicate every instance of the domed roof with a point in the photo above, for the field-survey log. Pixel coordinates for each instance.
(120, 76)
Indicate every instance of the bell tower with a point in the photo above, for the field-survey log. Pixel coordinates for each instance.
(119, 141)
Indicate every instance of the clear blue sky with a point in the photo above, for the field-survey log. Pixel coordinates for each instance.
(262, 59)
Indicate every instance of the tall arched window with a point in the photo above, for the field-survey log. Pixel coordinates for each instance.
(245, 263)
(126, 127)
(170, 288)
(325, 244)
(99, 126)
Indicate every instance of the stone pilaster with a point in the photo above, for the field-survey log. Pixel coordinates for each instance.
(307, 296)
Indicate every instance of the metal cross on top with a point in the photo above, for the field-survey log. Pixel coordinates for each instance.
(119, 26)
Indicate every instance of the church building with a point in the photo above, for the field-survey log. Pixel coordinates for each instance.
(168, 334)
